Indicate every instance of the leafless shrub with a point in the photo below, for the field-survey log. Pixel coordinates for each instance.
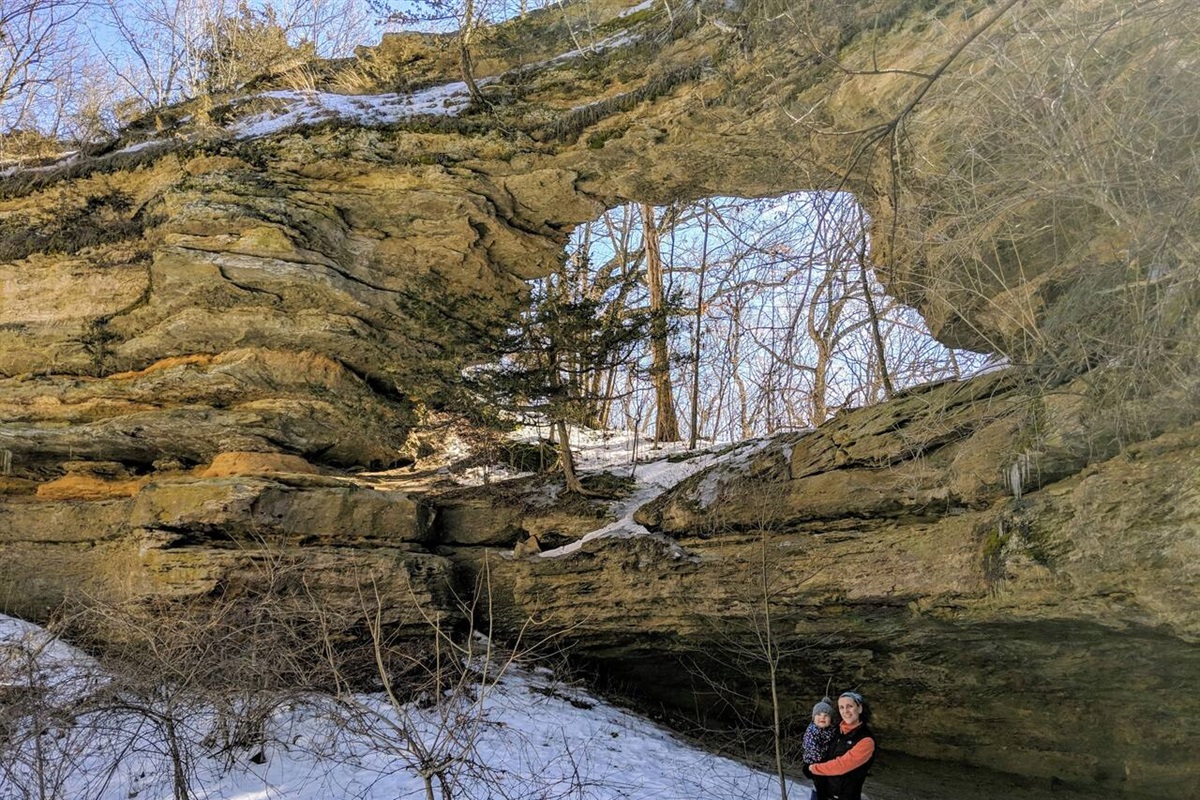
(432, 709)
(749, 673)
(51, 736)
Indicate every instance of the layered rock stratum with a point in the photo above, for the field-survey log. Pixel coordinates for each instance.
(209, 328)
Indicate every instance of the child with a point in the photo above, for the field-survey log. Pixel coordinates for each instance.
(819, 736)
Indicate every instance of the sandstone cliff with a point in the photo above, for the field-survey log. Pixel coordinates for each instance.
(896, 558)
(205, 328)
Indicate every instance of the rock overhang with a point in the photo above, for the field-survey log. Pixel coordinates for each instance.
(297, 291)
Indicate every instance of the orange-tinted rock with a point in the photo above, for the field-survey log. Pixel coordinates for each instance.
(228, 464)
(87, 487)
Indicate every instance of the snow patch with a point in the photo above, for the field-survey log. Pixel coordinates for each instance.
(310, 107)
(535, 736)
(134, 148)
(61, 160)
(666, 470)
(736, 463)
(635, 9)
(32, 658)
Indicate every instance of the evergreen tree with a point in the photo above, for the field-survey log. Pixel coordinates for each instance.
(551, 362)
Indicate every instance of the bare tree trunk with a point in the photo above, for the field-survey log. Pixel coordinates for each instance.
(826, 329)
(570, 478)
(772, 653)
(745, 430)
(594, 382)
(666, 426)
(178, 771)
(604, 403)
(818, 407)
(694, 433)
(40, 761)
(466, 64)
(880, 351)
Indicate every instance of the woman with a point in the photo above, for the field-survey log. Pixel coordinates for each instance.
(841, 776)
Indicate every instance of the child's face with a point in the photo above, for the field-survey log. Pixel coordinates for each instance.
(822, 720)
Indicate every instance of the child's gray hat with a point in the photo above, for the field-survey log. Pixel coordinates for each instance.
(823, 707)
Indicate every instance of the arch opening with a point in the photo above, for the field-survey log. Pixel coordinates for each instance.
(727, 318)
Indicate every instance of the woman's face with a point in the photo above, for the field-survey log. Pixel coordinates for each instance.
(849, 710)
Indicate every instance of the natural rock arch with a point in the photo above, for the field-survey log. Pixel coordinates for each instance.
(298, 292)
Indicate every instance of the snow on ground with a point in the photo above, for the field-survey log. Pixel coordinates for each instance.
(655, 472)
(654, 469)
(536, 738)
(31, 656)
(635, 9)
(10, 168)
(311, 107)
(619, 39)
(290, 108)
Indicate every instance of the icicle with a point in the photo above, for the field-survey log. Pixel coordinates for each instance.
(1018, 474)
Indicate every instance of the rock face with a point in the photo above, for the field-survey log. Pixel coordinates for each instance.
(184, 535)
(1034, 633)
(299, 290)
(202, 334)
(283, 308)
